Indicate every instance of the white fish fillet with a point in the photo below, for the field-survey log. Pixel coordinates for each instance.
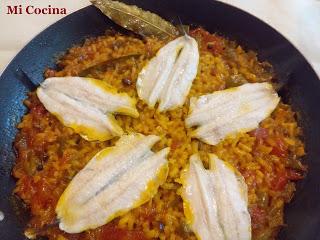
(215, 201)
(168, 77)
(228, 112)
(86, 105)
(115, 180)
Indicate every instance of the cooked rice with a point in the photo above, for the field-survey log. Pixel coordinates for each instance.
(49, 154)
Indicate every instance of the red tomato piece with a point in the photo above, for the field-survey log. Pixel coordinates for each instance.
(210, 42)
(280, 149)
(293, 175)
(258, 217)
(39, 110)
(279, 182)
(260, 134)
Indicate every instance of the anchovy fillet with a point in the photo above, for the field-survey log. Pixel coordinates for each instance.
(228, 112)
(168, 77)
(115, 180)
(215, 201)
(86, 105)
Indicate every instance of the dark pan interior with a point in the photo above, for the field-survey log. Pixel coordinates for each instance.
(302, 91)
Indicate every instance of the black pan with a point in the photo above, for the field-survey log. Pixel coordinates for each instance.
(302, 90)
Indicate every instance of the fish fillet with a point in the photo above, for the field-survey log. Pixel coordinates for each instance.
(168, 77)
(86, 105)
(231, 111)
(114, 181)
(215, 201)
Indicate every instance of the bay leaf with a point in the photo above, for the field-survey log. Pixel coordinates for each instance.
(133, 18)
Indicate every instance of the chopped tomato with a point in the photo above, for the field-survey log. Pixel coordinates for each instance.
(279, 182)
(112, 232)
(66, 156)
(280, 149)
(42, 197)
(281, 179)
(249, 174)
(258, 217)
(210, 42)
(176, 144)
(38, 109)
(25, 186)
(30, 137)
(293, 175)
(260, 134)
